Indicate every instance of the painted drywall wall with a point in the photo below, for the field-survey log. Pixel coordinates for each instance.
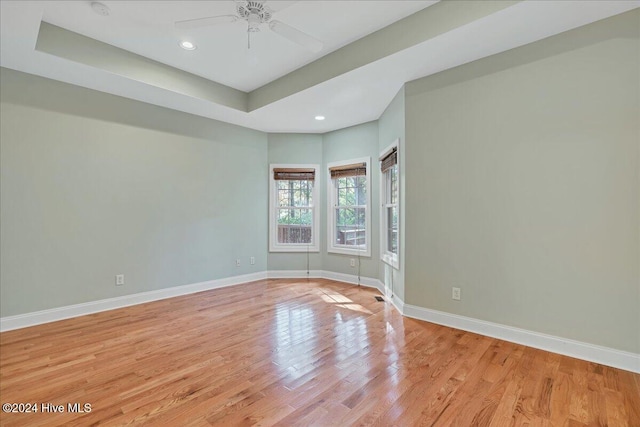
(391, 126)
(94, 185)
(345, 144)
(522, 186)
(297, 149)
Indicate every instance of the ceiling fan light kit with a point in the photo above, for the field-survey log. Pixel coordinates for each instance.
(255, 13)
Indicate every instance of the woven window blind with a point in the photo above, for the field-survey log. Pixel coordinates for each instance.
(280, 174)
(356, 169)
(389, 160)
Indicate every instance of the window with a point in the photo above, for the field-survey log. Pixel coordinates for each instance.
(348, 207)
(293, 217)
(390, 197)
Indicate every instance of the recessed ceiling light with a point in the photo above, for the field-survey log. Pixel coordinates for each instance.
(187, 45)
(319, 117)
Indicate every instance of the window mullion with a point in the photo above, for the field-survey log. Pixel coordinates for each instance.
(293, 220)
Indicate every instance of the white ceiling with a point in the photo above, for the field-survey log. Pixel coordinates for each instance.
(146, 28)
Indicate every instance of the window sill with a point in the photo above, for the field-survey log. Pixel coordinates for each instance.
(302, 248)
(348, 251)
(391, 260)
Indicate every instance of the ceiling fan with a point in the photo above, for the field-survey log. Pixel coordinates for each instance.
(255, 13)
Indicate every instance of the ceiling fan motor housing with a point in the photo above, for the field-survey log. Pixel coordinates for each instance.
(254, 12)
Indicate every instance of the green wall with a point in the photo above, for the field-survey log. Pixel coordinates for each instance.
(298, 148)
(93, 185)
(391, 126)
(345, 144)
(522, 186)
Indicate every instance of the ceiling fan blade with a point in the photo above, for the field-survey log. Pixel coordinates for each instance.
(203, 22)
(296, 36)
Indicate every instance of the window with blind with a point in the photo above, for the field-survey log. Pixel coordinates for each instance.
(349, 207)
(293, 216)
(390, 198)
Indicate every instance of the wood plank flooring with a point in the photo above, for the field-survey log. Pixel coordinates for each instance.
(296, 352)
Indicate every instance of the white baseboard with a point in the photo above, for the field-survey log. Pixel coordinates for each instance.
(60, 313)
(294, 274)
(594, 353)
(45, 316)
(322, 274)
(398, 304)
(581, 350)
(350, 278)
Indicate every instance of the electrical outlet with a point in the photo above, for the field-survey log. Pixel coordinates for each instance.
(455, 294)
(119, 279)
(352, 262)
(238, 262)
(252, 260)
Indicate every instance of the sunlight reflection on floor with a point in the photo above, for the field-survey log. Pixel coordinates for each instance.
(341, 301)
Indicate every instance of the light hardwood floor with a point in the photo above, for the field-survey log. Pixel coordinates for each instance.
(297, 352)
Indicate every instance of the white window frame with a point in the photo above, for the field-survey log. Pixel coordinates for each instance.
(331, 212)
(274, 246)
(385, 255)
